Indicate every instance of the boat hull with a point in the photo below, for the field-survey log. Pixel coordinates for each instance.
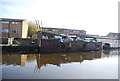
(54, 46)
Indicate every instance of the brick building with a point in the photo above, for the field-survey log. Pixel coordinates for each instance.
(16, 28)
(63, 31)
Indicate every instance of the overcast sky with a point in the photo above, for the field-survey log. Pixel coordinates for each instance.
(95, 16)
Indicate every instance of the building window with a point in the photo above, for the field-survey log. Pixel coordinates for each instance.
(53, 30)
(5, 22)
(15, 22)
(14, 31)
(5, 30)
(49, 29)
(45, 29)
(76, 31)
(66, 30)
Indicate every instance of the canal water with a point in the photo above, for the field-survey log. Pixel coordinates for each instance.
(84, 65)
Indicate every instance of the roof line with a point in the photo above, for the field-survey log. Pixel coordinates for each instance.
(61, 28)
(12, 19)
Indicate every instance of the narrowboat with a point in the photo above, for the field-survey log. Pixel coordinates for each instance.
(56, 46)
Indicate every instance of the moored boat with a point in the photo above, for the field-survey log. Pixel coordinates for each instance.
(56, 46)
(108, 46)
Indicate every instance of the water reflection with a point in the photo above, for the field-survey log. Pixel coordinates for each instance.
(58, 59)
(14, 59)
(84, 65)
(54, 59)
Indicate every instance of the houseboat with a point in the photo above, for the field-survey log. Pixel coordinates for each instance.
(47, 43)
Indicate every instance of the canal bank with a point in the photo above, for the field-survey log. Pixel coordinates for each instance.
(53, 44)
